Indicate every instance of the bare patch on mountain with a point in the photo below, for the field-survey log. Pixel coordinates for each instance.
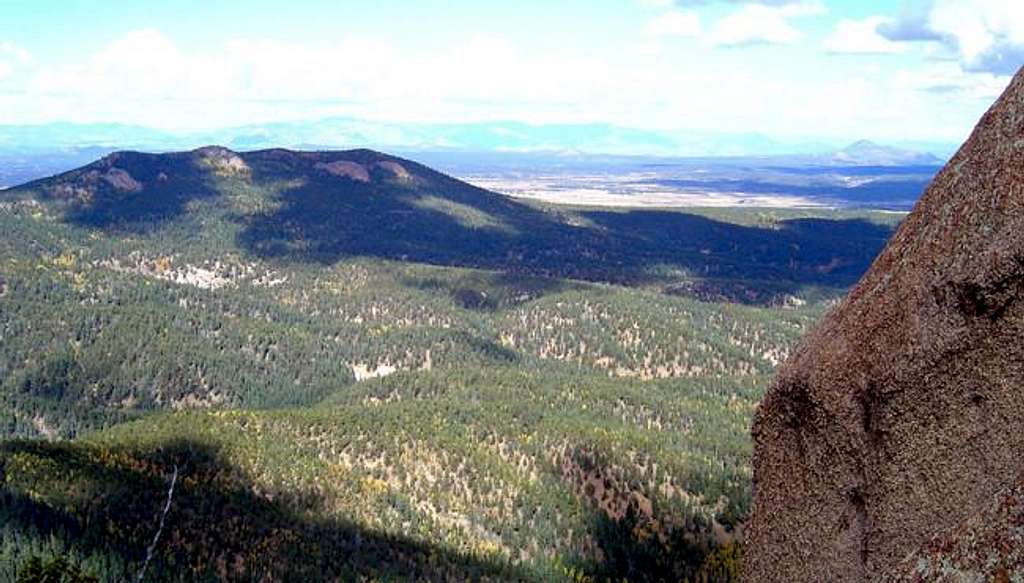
(397, 170)
(121, 180)
(223, 162)
(345, 169)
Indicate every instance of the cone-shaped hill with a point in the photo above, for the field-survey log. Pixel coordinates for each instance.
(902, 415)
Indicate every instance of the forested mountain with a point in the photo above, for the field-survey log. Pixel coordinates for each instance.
(363, 368)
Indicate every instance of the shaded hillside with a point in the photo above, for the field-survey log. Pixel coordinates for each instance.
(901, 416)
(223, 527)
(499, 475)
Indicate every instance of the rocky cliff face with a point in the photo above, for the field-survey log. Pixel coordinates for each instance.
(902, 415)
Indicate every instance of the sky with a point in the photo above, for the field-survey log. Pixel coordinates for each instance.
(800, 69)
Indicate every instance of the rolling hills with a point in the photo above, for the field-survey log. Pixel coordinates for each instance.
(362, 368)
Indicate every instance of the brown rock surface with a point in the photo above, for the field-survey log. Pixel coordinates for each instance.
(902, 414)
(396, 169)
(986, 547)
(347, 169)
(122, 181)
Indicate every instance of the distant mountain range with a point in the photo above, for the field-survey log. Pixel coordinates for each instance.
(34, 151)
(872, 154)
(585, 139)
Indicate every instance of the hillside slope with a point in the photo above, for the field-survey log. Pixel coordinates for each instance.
(363, 369)
(900, 416)
(215, 279)
(442, 476)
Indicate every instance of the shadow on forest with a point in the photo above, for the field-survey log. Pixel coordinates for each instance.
(104, 504)
(423, 216)
(442, 221)
(644, 540)
(220, 526)
(643, 558)
(488, 292)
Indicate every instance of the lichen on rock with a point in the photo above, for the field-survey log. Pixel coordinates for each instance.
(901, 415)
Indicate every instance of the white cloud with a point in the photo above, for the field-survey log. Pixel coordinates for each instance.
(12, 58)
(947, 79)
(761, 24)
(707, 2)
(656, 3)
(675, 23)
(985, 35)
(19, 55)
(147, 78)
(989, 33)
(862, 37)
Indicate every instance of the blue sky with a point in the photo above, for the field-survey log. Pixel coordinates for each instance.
(886, 70)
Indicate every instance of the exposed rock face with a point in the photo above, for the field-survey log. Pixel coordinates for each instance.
(347, 169)
(223, 161)
(902, 415)
(122, 181)
(396, 169)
